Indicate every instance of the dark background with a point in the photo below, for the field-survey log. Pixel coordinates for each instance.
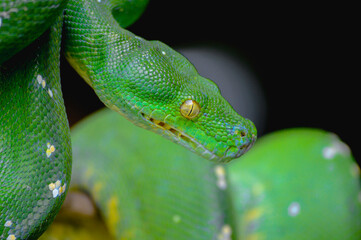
(300, 53)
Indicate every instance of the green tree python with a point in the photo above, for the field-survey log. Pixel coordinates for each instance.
(153, 87)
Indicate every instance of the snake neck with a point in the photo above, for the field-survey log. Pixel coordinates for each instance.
(97, 57)
(147, 82)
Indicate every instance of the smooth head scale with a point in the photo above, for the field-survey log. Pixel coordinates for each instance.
(149, 83)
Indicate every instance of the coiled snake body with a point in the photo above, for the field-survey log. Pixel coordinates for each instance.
(164, 192)
(145, 81)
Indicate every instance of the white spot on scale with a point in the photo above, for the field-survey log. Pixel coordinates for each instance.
(11, 237)
(163, 53)
(176, 218)
(226, 233)
(51, 186)
(1, 21)
(57, 184)
(222, 184)
(50, 93)
(294, 209)
(221, 177)
(50, 149)
(39, 78)
(329, 152)
(6, 14)
(8, 223)
(55, 193)
(337, 147)
(56, 188)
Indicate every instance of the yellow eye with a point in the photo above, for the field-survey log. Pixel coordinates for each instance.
(190, 109)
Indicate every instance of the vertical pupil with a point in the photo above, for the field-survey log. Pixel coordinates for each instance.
(191, 110)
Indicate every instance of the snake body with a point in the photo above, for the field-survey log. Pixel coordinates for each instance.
(35, 148)
(297, 184)
(294, 184)
(145, 81)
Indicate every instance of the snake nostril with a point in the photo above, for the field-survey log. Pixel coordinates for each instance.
(243, 134)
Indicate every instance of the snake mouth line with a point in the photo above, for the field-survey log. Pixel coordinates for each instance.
(181, 138)
(167, 127)
(193, 145)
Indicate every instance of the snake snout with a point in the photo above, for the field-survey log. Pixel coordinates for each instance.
(248, 145)
(233, 152)
(251, 138)
(246, 136)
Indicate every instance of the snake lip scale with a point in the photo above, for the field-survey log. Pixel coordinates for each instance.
(179, 136)
(190, 143)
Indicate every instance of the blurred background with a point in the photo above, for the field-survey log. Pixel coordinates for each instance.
(282, 66)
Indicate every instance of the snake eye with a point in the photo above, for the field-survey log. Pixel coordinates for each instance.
(190, 109)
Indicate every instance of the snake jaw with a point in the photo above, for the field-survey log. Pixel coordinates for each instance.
(172, 133)
(180, 137)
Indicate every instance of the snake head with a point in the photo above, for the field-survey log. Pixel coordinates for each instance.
(203, 122)
(160, 90)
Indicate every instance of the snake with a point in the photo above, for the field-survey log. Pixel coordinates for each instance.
(294, 184)
(146, 82)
